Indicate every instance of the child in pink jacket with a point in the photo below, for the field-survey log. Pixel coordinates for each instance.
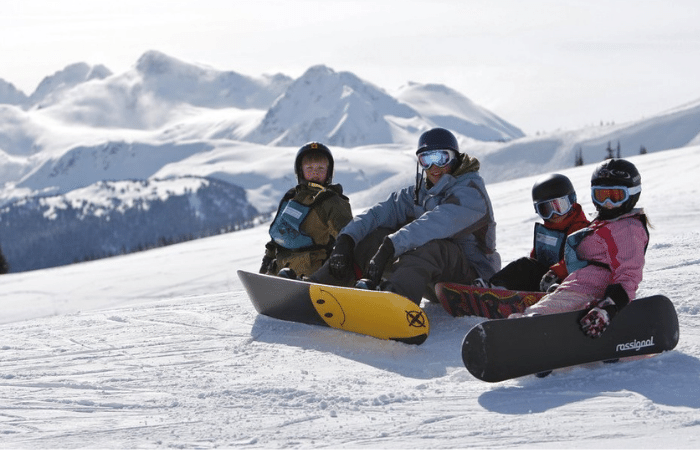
(605, 260)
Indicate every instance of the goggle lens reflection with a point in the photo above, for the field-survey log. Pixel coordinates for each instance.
(558, 206)
(440, 158)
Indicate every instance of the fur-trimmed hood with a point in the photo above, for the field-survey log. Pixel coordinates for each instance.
(466, 164)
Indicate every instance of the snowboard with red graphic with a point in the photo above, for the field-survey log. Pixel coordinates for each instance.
(463, 300)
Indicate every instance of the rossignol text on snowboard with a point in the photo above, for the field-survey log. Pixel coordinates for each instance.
(497, 350)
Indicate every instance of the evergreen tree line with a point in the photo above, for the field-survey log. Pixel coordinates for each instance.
(609, 153)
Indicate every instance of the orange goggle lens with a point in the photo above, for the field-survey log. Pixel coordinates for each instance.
(613, 195)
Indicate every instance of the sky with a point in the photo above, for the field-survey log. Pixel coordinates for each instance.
(542, 65)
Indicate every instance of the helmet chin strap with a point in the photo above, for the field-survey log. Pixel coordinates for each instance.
(316, 185)
(419, 181)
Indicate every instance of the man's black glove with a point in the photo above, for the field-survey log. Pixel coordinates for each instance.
(600, 312)
(376, 265)
(266, 264)
(340, 262)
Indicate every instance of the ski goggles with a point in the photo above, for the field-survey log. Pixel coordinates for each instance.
(440, 158)
(613, 195)
(558, 206)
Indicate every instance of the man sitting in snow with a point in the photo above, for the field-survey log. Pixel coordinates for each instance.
(441, 229)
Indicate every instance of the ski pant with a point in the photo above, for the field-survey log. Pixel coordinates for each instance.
(303, 263)
(523, 274)
(414, 273)
(559, 301)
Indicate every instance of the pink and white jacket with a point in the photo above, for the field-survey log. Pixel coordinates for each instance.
(606, 252)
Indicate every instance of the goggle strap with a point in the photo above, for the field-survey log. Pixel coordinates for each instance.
(634, 190)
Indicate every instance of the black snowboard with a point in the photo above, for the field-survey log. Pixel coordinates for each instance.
(497, 350)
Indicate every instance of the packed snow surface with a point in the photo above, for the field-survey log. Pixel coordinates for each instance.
(163, 349)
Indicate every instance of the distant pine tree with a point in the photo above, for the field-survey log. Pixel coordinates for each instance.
(4, 267)
(609, 151)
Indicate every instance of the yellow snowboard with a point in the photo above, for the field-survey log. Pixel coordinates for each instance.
(384, 315)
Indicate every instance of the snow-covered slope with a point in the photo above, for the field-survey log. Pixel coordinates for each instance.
(675, 128)
(162, 349)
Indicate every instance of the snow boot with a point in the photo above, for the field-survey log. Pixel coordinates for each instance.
(287, 273)
(365, 283)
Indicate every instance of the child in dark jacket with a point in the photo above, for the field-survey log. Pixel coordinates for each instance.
(309, 216)
(554, 199)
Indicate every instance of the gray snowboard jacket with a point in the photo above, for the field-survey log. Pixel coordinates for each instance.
(457, 208)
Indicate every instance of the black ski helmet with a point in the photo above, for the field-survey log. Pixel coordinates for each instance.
(553, 186)
(309, 149)
(437, 139)
(616, 172)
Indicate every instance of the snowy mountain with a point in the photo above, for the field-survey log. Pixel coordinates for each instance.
(342, 110)
(163, 349)
(115, 217)
(168, 119)
(52, 87)
(84, 165)
(10, 95)
(338, 108)
(449, 109)
(174, 81)
(156, 91)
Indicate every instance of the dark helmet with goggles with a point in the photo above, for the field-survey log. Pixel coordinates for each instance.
(615, 187)
(553, 194)
(437, 146)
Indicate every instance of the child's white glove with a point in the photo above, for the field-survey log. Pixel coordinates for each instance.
(548, 280)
